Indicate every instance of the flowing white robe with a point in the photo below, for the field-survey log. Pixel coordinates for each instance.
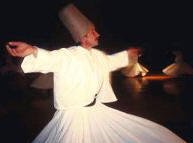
(80, 75)
(178, 68)
(134, 69)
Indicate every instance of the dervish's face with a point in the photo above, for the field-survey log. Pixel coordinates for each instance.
(90, 40)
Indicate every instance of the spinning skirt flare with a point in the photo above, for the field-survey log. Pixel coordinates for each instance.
(134, 70)
(177, 69)
(102, 124)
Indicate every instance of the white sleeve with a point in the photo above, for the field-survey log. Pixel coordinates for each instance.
(46, 61)
(118, 60)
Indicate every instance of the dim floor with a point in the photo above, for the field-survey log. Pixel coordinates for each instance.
(168, 101)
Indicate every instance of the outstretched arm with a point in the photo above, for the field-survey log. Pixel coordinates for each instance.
(20, 49)
(122, 59)
(37, 59)
(118, 60)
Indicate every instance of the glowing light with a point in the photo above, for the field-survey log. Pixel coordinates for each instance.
(157, 77)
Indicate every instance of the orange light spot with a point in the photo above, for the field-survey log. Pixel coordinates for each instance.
(157, 77)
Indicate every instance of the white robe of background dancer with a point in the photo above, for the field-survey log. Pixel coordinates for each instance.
(179, 67)
(135, 68)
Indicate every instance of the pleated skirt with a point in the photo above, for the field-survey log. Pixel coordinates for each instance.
(102, 124)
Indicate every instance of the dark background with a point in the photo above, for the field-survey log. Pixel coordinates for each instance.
(158, 27)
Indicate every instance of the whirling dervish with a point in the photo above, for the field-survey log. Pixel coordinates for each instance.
(179, 67)
(81, 87)
(135, 68)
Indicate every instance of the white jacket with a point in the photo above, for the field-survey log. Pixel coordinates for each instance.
(79, 74)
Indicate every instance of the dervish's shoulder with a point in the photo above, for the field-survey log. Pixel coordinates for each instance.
(69, 50)
(99, 52)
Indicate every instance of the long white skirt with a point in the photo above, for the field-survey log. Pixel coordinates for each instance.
(102, 124)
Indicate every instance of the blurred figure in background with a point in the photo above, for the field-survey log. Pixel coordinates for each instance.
(43, 81)
(179, 67)
(135, 68)
(9, 66)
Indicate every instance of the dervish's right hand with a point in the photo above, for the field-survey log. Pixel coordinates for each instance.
(20, 49)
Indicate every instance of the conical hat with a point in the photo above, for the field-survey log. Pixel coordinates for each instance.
(75, 21)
